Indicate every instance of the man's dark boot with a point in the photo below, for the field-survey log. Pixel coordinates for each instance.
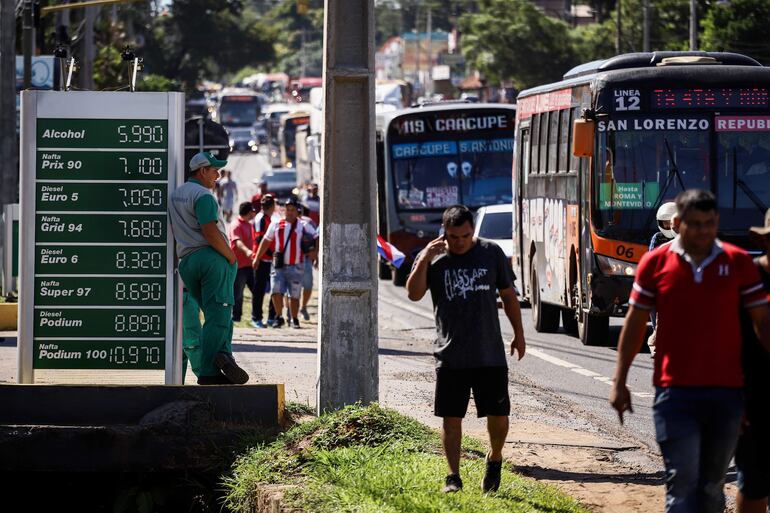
(229, 368)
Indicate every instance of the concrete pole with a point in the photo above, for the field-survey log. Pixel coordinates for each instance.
(347, 336)
(646, 26)
(9, 149)
(693, 25)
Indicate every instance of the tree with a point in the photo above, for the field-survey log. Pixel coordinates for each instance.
(207, 38)
(299, 37)
(594, 41)
(738, 26)
(511, 39)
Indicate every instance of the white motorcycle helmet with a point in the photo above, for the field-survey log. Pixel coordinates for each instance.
(665, 213)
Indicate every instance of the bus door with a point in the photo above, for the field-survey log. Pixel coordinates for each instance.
(521, 205)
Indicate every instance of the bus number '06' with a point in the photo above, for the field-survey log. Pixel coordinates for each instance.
(623, 251)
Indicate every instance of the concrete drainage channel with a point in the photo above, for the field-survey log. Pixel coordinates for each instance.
(130, 449)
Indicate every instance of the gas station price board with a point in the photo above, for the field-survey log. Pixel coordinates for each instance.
(97, 278)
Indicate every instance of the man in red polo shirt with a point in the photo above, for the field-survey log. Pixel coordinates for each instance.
(241, 233)
(698, 285)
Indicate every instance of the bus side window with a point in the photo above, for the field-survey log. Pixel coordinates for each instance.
(564, 139)
(534, 167)
(553, 142)
(543, 143)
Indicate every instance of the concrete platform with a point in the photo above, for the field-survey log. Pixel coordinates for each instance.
(107, 428)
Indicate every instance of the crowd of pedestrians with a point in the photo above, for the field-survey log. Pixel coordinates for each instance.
(707, 299)
(268, 252)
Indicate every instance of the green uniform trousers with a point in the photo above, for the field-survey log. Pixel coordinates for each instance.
(191, 335)
(210, 280)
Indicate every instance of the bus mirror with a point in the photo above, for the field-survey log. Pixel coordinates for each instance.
(583, 138)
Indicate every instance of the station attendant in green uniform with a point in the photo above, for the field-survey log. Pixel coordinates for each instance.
(207, 267)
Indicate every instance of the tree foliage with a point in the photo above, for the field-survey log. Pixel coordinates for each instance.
(738, 26)
(299, 37)
(207, 38)
(511, 39)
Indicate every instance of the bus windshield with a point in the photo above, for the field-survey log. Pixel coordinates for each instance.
(238, 113)
(439, 173)
(639, 170)
(742, 179)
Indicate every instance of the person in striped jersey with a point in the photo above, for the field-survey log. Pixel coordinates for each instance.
(288, 260)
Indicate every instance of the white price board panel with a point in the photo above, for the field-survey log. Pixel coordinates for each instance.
(97, 281)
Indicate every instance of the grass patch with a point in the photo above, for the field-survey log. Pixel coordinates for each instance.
(372, 459)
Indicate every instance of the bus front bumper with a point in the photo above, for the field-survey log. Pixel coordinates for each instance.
(609, 294)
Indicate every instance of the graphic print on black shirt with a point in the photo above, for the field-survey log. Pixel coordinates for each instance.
(463, 289)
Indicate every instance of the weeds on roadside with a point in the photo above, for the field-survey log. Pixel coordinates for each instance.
(373, 459)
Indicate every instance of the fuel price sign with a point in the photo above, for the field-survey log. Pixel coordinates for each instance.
(97, 251)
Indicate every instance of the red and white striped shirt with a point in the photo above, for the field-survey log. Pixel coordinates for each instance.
(292, 249)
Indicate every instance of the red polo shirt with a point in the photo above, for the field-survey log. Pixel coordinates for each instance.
(698, 341)
(243, 231)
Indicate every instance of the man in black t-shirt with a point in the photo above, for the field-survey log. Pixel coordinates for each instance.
(463, 275)
(752, 457)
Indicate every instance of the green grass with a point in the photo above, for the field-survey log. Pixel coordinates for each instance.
(372, 459)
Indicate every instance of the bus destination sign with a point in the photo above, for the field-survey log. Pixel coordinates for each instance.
(98, 267)
(705, 98)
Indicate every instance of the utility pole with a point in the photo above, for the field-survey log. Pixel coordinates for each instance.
(693, 25)
(87, 51)
(9, 148)
(347, 336)
(619, 27)
(28, 33)
(646, 28)
(429, 82)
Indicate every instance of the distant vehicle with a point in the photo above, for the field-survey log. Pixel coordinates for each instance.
(196, 105)
(243, 139)
(397, 93)
(272, 116)
(290, 123)
(495, 223)
(431, 157)
(238, 108)
(280, 182)
(299, 88)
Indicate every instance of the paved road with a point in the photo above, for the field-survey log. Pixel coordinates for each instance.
(556, 363)
(559, 364)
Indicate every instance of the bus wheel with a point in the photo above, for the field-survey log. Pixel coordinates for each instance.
(384, 271)
(400, 275)
(593, 330)
(569, 321)
(545, 317)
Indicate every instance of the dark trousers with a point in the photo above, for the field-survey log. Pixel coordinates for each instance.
(245, 276)
(261, 286)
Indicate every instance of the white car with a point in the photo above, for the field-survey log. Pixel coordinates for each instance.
(495, 223)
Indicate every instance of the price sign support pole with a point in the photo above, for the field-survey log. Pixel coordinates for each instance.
(99, 290)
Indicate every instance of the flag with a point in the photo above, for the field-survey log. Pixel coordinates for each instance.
(389, 252)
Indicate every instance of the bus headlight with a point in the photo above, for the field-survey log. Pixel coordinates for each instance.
(614, 267)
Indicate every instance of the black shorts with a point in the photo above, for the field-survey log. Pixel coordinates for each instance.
(490, 391)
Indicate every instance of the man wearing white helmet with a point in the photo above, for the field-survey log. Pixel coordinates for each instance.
(664, 234)
(665, 231)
